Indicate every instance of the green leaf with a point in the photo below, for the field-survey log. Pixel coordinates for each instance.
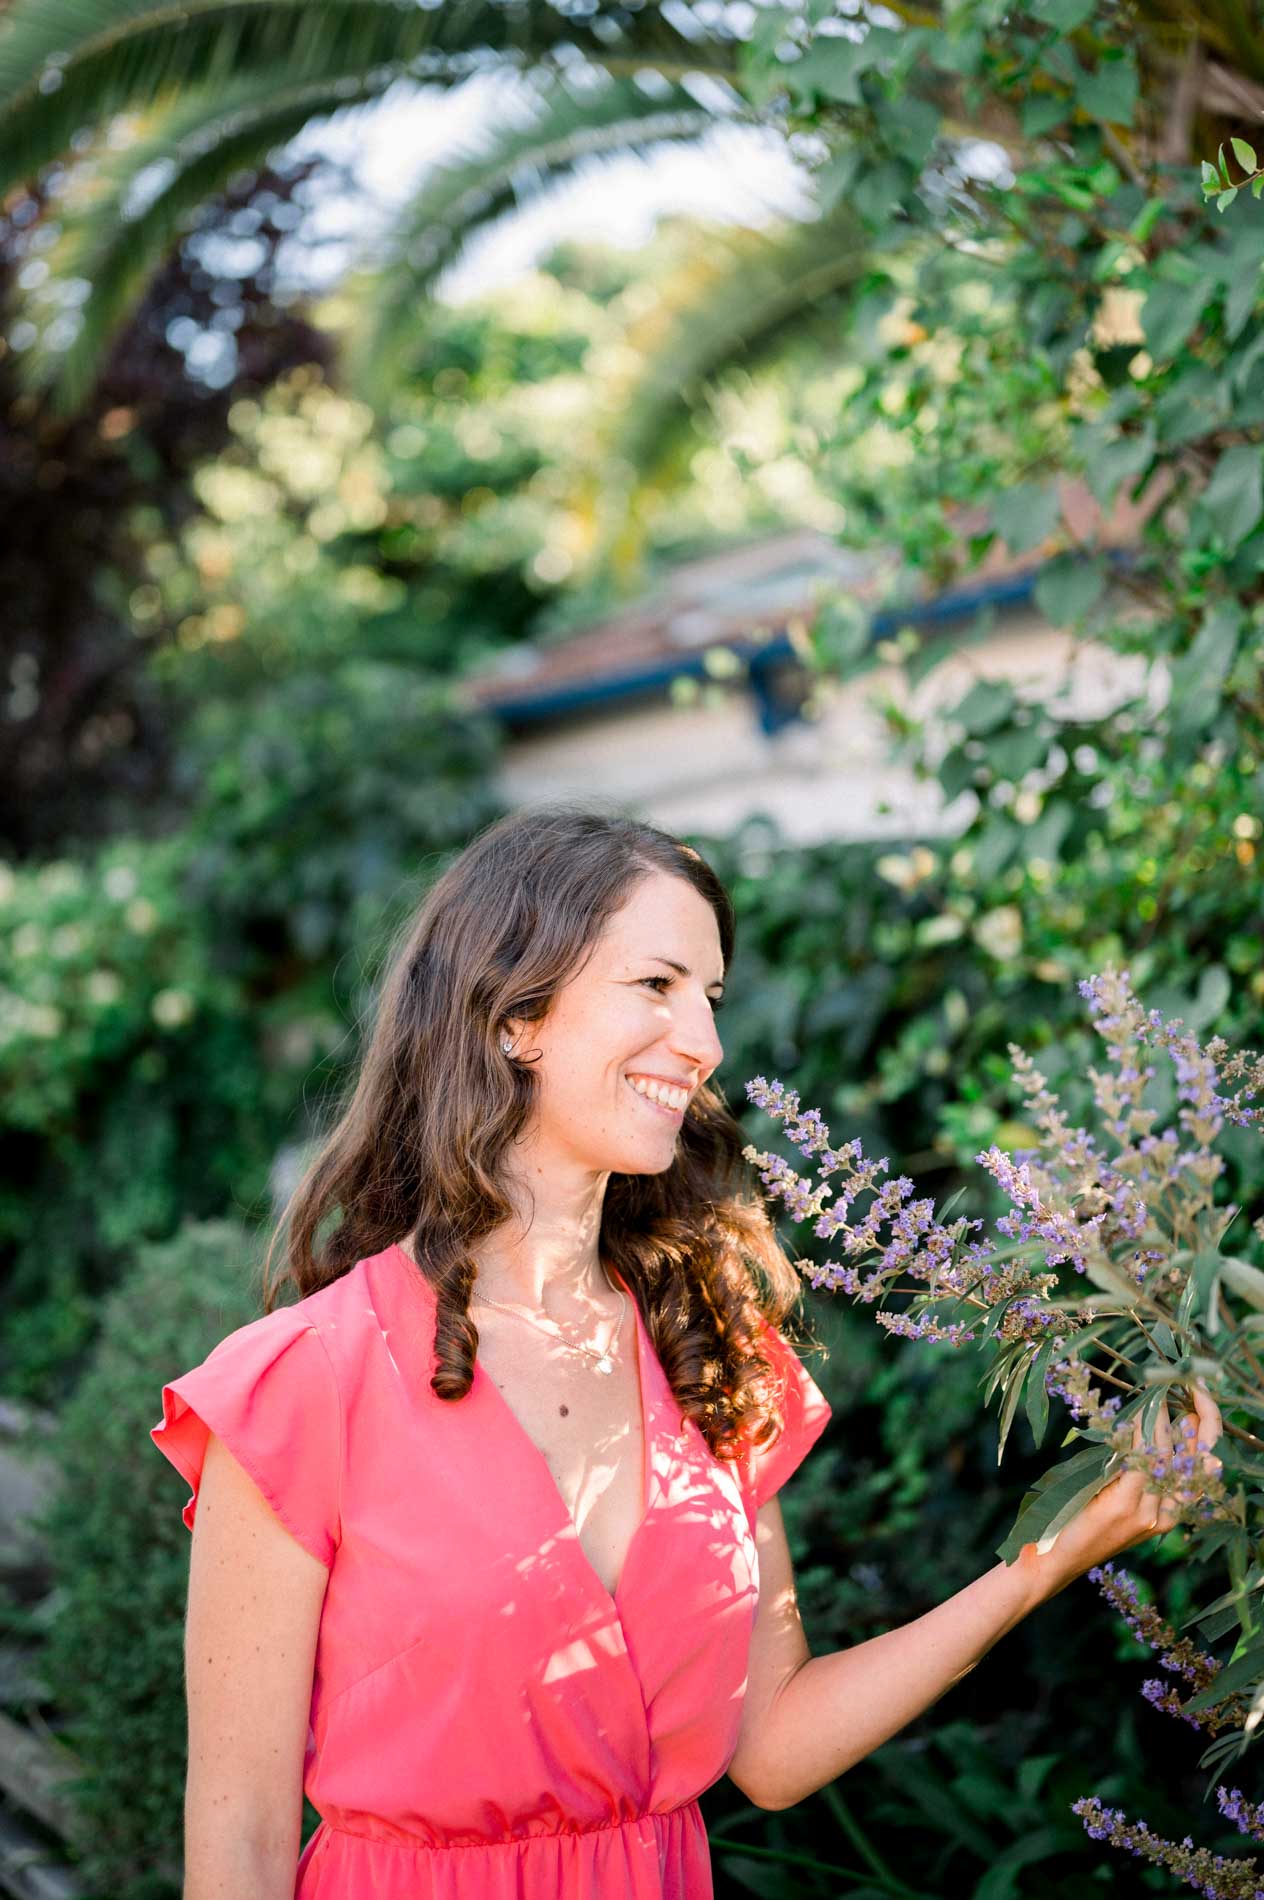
(1242, 1673)
(1000, 1882)
(1211, 177)
(1232, 498)
(1244, 1279)
(1226, 198)
(1110, 93)
(1013, 1393)
(1006, 1359)
(881, 189)
(1067, 588)
(1245, 154)
(1055, 1497)
(1063, 15)
(1038, 1393)
(911, 126)
(987, 705)
(1027, 514)
(838, 175)
(832, 66)
(1257, 185)
(1146, 219)
(1243, 279)
(1044, 838)
(1041, 113)
(1170, 312)
(1199, 1297)
(1118, 463)
(1020, 750)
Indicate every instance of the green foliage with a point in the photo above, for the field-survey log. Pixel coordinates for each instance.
(161, 1002)
(230, 87)
(1079, 318)
(67, 64)
(513, 160)
(113, 1662)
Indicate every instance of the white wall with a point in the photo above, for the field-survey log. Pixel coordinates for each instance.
(705, 768)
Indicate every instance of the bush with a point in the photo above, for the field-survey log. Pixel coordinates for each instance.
(163, 1005)
(113, 1663)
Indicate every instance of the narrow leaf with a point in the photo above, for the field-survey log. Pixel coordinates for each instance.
(1074, 1481)
(1244, 1279)
(1014, 1392)
(1243, 1673)
(1038, 1392)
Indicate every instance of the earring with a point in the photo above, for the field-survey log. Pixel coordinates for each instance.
(506, 1045)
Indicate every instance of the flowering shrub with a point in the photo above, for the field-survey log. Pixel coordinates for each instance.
(1132, 1212)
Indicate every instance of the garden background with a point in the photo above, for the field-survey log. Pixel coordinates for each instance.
(264, 520)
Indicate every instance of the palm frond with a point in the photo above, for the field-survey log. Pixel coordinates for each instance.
(499, 173)
(69, 64)
(117, 232)
(731, 308)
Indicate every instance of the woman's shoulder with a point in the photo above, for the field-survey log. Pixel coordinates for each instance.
(341, 1312)
(381, 1299)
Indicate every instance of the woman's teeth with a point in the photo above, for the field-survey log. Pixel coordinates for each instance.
(660, 1094)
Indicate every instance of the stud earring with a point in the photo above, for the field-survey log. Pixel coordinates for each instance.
(506, 1045)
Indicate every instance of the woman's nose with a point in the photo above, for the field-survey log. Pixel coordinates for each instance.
(696, 1038)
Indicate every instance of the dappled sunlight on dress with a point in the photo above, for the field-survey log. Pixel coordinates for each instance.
(487, 1719)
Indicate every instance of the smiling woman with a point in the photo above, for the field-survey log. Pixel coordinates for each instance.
(481, 1569)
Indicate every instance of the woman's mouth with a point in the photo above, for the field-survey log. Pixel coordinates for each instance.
(659, 1108)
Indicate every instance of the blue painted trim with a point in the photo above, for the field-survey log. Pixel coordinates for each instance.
(526, 707)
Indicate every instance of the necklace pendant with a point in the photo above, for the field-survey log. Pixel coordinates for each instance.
(605, 1363)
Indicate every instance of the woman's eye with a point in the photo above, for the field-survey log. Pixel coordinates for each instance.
(715, 1001)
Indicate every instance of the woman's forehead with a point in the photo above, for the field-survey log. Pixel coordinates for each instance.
(677, 926)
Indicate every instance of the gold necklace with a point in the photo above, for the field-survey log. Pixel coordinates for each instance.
(604, 1361)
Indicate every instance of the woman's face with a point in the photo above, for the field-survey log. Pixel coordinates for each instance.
(626, 1027)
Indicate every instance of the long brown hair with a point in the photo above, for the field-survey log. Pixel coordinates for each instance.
(415, 1148)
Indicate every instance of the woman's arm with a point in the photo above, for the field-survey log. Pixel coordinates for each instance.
(806, 1719)
(255, 1598)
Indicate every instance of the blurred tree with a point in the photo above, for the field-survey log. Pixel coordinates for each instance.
(226, 90)
(84, 730)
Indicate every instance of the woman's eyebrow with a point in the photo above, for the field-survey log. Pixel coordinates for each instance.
(681, 970)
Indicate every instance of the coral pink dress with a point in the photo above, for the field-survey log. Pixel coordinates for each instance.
(487, 1721)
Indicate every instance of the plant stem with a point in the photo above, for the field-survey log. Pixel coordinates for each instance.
(856, 1835)
(806, 1861)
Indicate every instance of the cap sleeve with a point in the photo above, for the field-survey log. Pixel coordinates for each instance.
(805, 1413)
(269, 1393)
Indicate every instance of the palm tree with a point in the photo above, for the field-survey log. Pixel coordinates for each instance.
(226, 83)
(223, 84)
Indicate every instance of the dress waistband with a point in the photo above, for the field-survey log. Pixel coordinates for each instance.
(416, 1845)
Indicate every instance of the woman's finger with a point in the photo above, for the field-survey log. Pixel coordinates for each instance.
(1210, 1423)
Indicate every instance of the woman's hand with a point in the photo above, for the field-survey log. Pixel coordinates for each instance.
(1126, 1511)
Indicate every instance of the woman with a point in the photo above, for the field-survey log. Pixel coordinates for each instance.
(486, 1550)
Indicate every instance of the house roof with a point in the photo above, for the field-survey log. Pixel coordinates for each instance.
(748, 599)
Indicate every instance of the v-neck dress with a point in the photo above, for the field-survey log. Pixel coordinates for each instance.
(487, 1721)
